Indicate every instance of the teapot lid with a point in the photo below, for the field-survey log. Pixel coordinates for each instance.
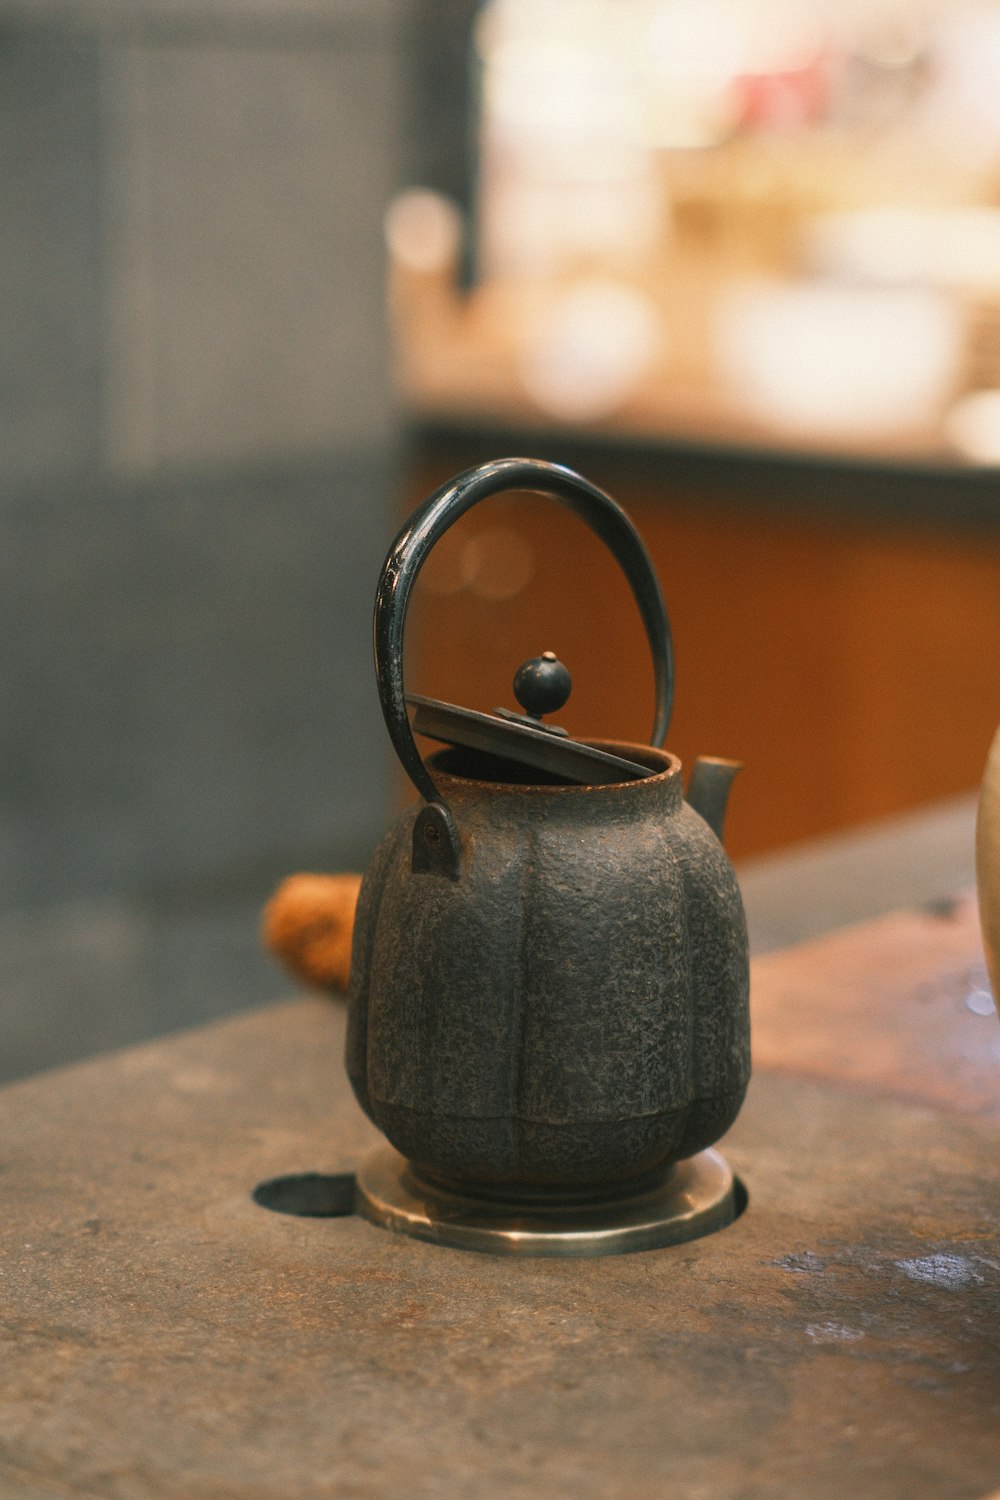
(541, 686)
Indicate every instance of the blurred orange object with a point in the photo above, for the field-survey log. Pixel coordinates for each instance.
(308, 924)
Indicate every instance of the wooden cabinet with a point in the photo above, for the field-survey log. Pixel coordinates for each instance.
(851, 662)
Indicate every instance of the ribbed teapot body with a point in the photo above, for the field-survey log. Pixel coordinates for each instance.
(570, 1013)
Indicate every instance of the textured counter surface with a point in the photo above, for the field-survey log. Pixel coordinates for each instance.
(164, 1336)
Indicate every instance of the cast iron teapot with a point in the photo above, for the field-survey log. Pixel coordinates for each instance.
(549, 981)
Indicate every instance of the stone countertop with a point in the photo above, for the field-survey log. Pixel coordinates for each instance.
(912, 859)
(165, 1336)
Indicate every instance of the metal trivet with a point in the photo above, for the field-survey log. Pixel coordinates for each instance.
(693, 1198)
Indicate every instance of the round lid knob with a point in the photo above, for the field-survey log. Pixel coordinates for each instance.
(542, 685)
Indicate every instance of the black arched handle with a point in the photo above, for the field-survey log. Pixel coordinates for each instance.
(428, 524)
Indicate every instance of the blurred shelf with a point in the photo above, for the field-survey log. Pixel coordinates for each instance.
(933, 487)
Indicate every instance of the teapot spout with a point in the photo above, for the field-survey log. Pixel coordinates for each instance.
(708, 789)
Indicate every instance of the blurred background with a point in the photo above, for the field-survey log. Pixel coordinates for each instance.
(270, 272)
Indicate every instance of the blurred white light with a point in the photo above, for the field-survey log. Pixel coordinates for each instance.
(700, 39)
(719, 39)
(565, 168)
(973, 425)
(954, 247)
(590, 350)
(694, 54)
(811, 357)
(423, 230)
(563, 72)
(966, 97)
(699, 50)
(536, 228)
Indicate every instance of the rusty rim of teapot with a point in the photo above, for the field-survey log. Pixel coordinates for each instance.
(668, 769)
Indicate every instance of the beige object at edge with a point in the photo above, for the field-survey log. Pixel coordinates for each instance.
(988, 863)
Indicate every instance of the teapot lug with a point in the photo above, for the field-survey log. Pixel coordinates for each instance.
(437, 844)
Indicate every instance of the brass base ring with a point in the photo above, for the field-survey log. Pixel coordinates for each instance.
(695, 1197)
